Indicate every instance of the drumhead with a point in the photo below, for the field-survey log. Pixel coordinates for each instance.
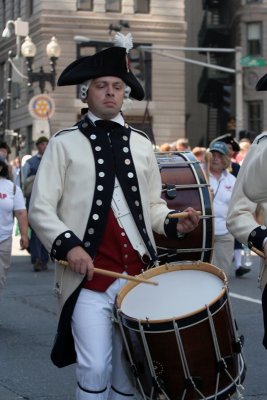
(179, 293)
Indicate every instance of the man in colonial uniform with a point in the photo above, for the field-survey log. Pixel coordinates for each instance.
(96, 201)
(250, 195)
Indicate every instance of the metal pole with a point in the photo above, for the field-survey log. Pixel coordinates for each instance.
(191, 61)
(9, 92)
(239, 93)
(237, 71)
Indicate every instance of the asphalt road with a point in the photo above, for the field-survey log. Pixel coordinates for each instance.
(28, 324)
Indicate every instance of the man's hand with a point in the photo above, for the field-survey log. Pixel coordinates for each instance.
(188, 224)
(80, 262)
(24, 242)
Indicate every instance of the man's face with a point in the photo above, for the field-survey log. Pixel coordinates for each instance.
(230, 150)
(4, 152)
(105, 96)
(41, 147)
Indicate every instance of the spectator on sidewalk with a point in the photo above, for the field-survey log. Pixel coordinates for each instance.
(233, 151)
(11, 204)
(39, 255)
(222, 184)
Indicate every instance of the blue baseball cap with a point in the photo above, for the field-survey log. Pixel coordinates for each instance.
(220, 147)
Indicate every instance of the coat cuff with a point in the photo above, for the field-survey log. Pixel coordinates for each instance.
(170, 228)
(64, 243)
(257, 237)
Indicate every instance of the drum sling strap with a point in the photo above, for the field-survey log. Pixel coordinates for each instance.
(110, 143)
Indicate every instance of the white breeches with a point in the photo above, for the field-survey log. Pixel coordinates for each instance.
(99, 348)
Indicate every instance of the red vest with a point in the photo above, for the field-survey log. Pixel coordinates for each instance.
(115, 253)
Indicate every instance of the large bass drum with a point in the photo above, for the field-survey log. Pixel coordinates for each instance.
(184, 185)
(180, 336)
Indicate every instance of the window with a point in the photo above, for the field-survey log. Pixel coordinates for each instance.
(85, 5)
(3, 16)
(29, 8)
(18, 9)
(12, 7)
(113, 5)
(254, 38)
(142, 6)
(255, 116)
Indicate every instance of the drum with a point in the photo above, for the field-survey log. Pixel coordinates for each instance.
(180, 336)
(184, 184)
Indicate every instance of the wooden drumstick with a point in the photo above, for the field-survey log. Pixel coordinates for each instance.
(115, 274)
(183, 214)
(258, 252)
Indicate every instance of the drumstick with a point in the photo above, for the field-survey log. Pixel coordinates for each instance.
(258, 252)
(183, 214)
(115, 274)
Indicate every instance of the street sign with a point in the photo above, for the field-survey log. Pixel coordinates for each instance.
(249, 61)
(41, 106)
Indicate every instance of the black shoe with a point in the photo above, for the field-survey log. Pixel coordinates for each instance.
(37, 266)
(44, 267)
(241, 271)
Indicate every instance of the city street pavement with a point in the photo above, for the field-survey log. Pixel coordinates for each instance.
(27, 328)
(28, 325)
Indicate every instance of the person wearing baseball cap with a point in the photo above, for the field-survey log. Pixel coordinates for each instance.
(222, 184)
(96, 202)
(234, 167)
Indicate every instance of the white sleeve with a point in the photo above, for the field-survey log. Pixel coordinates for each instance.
(19, 201)
(255, 179)
(240, 218)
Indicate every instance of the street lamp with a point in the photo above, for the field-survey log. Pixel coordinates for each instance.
(21, 28)
(53, 51)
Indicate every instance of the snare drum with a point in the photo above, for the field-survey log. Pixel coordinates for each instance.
(184, 184)
(180, 336)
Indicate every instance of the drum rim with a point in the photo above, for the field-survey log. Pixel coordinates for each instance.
(176, 266)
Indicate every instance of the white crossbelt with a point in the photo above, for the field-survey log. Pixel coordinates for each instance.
(125, 219)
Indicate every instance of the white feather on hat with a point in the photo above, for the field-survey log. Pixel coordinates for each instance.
(126, 41)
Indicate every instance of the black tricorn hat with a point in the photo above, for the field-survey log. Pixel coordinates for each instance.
(228, 139)
(109, 62)
(262, 83)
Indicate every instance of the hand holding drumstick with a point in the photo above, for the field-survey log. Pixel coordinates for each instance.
(188, 220)
(80, 261)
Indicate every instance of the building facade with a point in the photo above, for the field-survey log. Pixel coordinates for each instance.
(211, 108)
(82, 27)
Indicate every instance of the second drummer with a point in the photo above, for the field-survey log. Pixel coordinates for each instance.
(96, 201)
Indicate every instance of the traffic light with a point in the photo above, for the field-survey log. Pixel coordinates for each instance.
(227, 98)
(2, 114)
(137, 64)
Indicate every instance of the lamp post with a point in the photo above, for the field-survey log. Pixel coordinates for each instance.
(53, 51)
(21, 29)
